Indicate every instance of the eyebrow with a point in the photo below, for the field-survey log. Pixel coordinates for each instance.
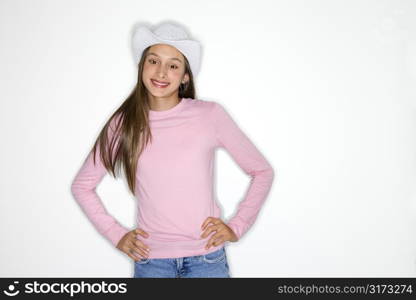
(173, 58)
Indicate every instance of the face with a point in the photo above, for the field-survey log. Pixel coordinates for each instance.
(163, 70)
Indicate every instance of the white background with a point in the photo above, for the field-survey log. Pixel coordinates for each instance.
(325, 89)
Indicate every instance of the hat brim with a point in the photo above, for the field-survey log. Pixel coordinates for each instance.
(143, 37)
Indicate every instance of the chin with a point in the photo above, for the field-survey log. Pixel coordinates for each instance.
(160, 93)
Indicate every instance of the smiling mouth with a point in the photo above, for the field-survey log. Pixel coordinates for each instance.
(159, 83)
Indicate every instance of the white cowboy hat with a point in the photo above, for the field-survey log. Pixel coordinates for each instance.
(171, 34)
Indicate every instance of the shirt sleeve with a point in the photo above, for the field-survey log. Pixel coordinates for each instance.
(83, 189)
(230, 137)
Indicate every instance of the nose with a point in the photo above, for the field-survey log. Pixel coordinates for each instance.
(161, 71)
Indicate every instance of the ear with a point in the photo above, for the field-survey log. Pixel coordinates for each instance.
(185, 78)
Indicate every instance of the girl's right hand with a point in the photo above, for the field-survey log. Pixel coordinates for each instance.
(132, 246)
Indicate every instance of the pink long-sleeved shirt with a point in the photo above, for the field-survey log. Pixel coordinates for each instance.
(174, 187)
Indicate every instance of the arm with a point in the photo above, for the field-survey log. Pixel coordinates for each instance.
(83, 189)
(253, 163)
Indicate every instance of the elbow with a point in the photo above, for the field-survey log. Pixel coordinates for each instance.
(82, 189)
(74, 189)
(77, 189)
(267, 172)
(270, 173)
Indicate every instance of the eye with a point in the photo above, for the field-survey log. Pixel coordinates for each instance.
(175, 66)
(151, 60)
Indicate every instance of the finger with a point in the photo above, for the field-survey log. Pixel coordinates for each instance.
(137, 251)
(127, 250)
(219, 227)
(212, 240)
(212, 220)
(139, 254)
(140, 244)
(208, 245)
(140, 250)
(206, 222)
(135, 258)
(141, 232)
(209, 229)
(218, 241)
(139, 247)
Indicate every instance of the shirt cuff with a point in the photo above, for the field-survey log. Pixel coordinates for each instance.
(116, 233)
(235, 229)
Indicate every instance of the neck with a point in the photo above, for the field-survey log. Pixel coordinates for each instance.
(163, 103)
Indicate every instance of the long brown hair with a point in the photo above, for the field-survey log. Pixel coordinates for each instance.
(129, 128)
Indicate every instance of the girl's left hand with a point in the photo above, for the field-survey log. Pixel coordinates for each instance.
(223, 232)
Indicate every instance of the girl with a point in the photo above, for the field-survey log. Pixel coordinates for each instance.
(165, 139)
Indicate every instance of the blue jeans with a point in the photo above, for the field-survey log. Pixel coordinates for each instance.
(212, 264)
